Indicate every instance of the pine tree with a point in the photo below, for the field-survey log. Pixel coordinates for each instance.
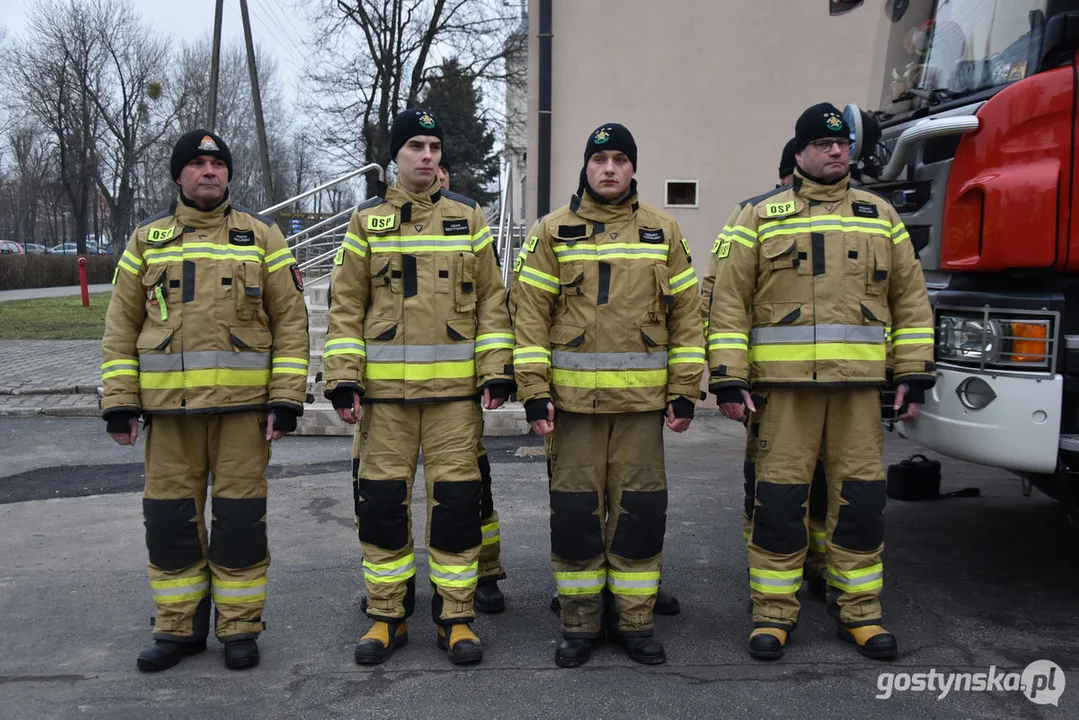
(454, 99)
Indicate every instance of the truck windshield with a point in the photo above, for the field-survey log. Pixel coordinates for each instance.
(941, 50)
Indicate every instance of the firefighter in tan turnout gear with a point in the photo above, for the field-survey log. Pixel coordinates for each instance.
(418, 329)
(206, 337)
(608, 344)
(818, 491)
(813, 279)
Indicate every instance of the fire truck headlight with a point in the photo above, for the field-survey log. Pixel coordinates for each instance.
(971, 339)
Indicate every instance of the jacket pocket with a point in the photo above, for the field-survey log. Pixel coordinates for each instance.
(461, 328)
(386, 275)
(781, 253)
(662, 298)
(251, 337)
(874, 312)
(383, 330)
(464, 283)
(565, 335)
(878, 265)
(247, 282)
(776, 313)
(156, 284)
(655, 336)
(154, 340)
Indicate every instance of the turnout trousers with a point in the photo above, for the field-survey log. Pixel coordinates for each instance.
(189, 566)
(391, 438)
(795, 426)
(608, 516)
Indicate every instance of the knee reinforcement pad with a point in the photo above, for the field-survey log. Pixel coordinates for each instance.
(641, 524)
(238, 534)
(749, 476)
(380, 506)
(779, 519)
(455, 520)
(487, 503)
(172, 536)
(860, 525)
(575, 528)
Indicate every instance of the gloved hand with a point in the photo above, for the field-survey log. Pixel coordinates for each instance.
(284, 418)
(119, 421)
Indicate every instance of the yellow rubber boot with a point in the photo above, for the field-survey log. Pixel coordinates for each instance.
(380, 641)
(461, 643)
(873, 641)
(767, 643)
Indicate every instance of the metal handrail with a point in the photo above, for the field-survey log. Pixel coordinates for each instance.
(317, 259)
(334, 229)
(347, 176)
(316, 226)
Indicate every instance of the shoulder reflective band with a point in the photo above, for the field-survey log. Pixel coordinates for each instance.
(381, 222)
(161, 234)
(276, 261)
(130, 261)
(355, 244)
(537, 278)
(783, 208)
(482, 239)
(743, 235)
(899, 234)
(683, 280)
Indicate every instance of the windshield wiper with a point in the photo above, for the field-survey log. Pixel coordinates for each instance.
(933, 97)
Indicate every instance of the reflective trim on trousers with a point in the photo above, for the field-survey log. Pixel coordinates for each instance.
(490, 533)
(854, 581)
(239, 591)
(816, 542)
(180, 590)
(775, 582)
(633, 583)
(585, 582)
(454, 575)
(391, 572)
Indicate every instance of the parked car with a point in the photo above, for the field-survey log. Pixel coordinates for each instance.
(10, 247)
(68, 248)
(33, 248)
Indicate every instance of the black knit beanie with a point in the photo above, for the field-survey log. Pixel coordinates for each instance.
(612, 136)
(818, 122)
(195, 143)
(409, 124)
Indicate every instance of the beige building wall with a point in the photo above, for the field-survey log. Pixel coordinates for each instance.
(709, 88)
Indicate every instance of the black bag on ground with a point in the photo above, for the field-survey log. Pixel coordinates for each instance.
(918, 478)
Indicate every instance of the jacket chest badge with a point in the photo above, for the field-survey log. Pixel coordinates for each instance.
(651, 236)
(614, 236)
(455, 227)
(780, 209)
(418, 226)
(241, 237)
(866, 210)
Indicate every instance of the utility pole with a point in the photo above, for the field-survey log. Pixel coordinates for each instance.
(256, 98)
(215, 64)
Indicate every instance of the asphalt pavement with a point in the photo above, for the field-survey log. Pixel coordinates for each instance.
(972, 585)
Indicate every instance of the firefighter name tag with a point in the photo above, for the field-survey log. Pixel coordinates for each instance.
(160, 234)
(781, 209)
(381, 222)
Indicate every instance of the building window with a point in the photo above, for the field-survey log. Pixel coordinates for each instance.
(681, 193)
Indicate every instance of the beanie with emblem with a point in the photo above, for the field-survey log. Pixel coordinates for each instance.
(409, 124)
(819, 122)
(612, 136)
(195, 143)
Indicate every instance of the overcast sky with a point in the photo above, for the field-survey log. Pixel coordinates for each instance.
(275, 24)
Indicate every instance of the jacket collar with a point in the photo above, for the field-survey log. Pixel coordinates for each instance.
(813, 189)
(397, 195)
(587, 207)
(191, 216)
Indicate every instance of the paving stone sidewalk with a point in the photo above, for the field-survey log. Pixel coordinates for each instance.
(50, 377)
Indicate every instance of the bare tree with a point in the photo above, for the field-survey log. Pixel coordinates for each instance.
(379, 54)
(58, 70)
(33, 167)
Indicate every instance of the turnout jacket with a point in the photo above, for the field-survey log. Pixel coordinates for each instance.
(813, 282)
(607, 310)
(207, 315)
(418, 311)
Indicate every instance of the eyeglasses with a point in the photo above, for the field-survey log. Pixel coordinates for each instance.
(825, 145)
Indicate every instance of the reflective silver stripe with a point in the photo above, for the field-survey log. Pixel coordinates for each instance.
(539, 278)
(658, 252)
(121, 365)
(205, 359)
(532, 356)
(491, 534)
(161, 363)
(598, 583)
(180, 590)
(566, 360)
(157, 256)
(775, 582)
(469, 574)
(281, 365)
(914, 336)
(360, 247)
(259, 589)
(463, 242)
(726, 341)
(403, 570)
(817, 333)
(683, 355)
(482, 345)
(856, 580)
(615, 582)
(742, 233)
(345, 345)
(420, 353)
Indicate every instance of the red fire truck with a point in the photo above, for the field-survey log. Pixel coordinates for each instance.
(976, 150)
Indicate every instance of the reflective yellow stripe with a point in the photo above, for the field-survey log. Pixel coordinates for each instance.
(537, 278)
(823, 351)
(482, 239)
(899, 234)
(593, 379)
(775, 582)
(531, 355)
(454, 576)
(816, 541)
(290, 366)
(742, 234)
(392, 572)
(421, 371)
(203, 250)
(355, 244)
(120, 368)
(238, 591)
(345, 346)
(610, 251)
(131, 262)
(860, 580)
(490, 533)
(585, 582)
(722, 340)
(494, 341)
(178, 590)
(633, 583)
(685, 356)
(211, 377)
(420, 243)
(278, 260)
(683, 280)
